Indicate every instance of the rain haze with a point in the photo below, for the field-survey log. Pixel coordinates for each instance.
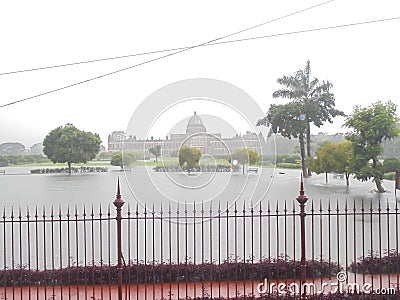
(361, 60)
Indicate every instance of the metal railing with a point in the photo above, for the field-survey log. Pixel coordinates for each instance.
(187, 251)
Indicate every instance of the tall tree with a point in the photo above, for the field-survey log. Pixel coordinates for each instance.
(369, 127)
(156, 151)
(67, 144)
(316, 97)
(285, 120)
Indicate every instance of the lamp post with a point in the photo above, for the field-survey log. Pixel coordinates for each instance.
(302, 199)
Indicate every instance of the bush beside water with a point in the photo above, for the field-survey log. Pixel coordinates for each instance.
(73, 170)
(154, 272)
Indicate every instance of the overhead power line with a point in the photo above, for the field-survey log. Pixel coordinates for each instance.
(206, 45)
(162, 57)
(212, 42)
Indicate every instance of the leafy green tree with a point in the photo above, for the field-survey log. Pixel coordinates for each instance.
(318, 103)
(67, 144)
(369, 127)
(332, 157)
(343, 157)
(391, 165)
(121, 160)
(189, 157)
(3, 161)
(245, 156)
(285, 120)
(156, 151)
(325, 159)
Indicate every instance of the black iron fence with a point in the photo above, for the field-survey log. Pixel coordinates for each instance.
(184, 251)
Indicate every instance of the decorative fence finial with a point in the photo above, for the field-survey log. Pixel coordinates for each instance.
(118, 202)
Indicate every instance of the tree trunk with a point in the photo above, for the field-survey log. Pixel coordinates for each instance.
(378, 181)
(308, 143)
(69, 168)
(303, 155)
(347, 179)
(379, 186)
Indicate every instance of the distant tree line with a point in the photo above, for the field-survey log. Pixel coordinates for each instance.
(6, 160)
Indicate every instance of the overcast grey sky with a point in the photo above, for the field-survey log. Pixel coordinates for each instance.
(362, 61)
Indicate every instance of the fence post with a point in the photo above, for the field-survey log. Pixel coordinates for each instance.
(302, 199)
(119, 202)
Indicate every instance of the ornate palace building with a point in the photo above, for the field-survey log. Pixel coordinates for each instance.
(196, 136)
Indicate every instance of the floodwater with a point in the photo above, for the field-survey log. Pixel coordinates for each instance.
(205, 235)
(18, 188)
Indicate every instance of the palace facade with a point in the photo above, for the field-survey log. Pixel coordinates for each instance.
(196, 136)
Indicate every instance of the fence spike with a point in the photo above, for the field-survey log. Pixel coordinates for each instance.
(345, 206)
(145, 209)
(52, 211)
(320, 206)
(285, 208)
(202, 207)
(354, 204)
(36, 212)
(370, 206)
(277, 207)
(337, 205)
(269, 207)
(129, 209)
(177, 209)
(186, 211)
(76, 211)
(109, 210)
(387, 204)
(312, 205)
(4, 212)
(169, 208)
(362, 204)
(59, 211)
(92, 211)
(244, 207)
(161, 210)
(153, 210)
(84, 210)
(68, 214)
(27, 212)
(379, 206)
(235, 211)
(19, 212)
(137, 209)
(100, 212)
(211, 211)
(260, 207)
(12, 212)
(227, 207)
(329, 205)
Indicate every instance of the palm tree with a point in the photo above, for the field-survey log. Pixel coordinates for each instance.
(318, 103)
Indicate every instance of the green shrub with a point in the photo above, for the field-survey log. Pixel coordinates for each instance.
(288, 165)
(389, 176)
